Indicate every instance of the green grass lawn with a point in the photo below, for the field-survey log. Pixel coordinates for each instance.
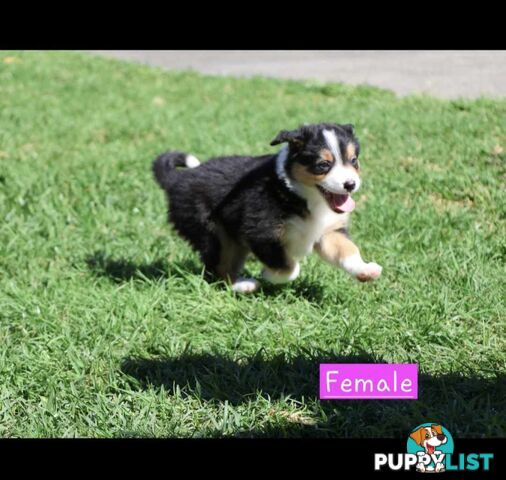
(107, 327)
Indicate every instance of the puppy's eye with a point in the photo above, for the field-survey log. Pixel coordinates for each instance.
(427, 435)
(321, 168)
(354, 162)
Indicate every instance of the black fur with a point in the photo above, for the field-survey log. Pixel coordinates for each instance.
(237, 204)
(241, 195)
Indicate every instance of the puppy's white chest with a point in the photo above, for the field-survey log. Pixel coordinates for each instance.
(302, 233)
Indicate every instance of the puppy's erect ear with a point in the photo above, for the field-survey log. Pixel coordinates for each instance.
(294, 137)
(348, 127)
(418, 435)
(438, 428)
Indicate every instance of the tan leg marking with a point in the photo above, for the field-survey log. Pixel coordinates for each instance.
(335, 246)
(232, 257)
(337, 249)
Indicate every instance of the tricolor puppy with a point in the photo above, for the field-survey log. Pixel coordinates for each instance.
(279, 207)
(429, 438)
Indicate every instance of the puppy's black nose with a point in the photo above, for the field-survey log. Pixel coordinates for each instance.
(349, 186)
(441, 437)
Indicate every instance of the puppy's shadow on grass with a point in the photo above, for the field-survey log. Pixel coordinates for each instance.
(455, 400)
(219, 378)
(121, 270)
(310, 290)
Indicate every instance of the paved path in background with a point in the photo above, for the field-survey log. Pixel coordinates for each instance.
(446, 74)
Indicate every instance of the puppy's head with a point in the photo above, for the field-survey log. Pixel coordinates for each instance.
(324, 157)
(429, 437)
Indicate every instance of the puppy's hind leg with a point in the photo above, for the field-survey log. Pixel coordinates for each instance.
(232, 258)
(278, 266)
(209, 248)
(231, 263)
(245, 285)
(225, 259)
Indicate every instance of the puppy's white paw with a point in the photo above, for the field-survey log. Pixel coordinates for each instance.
(371, 271)
(245, 285)
(362, 271)
(274, 276)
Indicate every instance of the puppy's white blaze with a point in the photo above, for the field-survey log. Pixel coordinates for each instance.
(191, 161)
(245, 285)
(355, 266)
(338, 176)
(281, 167)
(333, 144)
(275, 277)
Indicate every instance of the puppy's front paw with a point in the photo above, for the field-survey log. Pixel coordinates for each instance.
(370, 271)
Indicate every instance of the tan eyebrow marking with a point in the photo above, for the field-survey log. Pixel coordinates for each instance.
(326, 155)
(302, 175)
(351, 151)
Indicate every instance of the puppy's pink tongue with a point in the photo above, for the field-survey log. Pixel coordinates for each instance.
(344, 203)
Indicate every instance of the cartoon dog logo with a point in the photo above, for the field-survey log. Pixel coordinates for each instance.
(430, 437)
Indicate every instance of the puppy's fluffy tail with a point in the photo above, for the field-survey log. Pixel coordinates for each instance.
(164, 166)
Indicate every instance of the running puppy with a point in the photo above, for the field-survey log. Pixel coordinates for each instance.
(279, 207)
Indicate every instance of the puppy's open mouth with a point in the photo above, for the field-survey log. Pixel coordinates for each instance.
(339, 202)
(430, 449)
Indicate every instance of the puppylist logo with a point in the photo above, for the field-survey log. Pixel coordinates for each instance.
(430, 450)
(431, 443)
